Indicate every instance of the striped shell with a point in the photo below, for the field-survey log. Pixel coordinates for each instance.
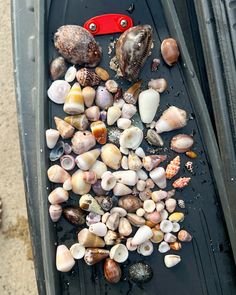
(181, 182)
(173, 168)
(87, 78)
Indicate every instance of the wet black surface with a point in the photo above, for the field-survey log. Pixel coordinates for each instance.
(207, 265)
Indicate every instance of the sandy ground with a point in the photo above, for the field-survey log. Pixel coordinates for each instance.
(16, 265)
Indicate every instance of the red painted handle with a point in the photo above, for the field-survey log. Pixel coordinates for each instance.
(108, 24)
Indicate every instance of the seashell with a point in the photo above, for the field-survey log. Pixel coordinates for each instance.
(58, 68)
(130, 203)
(145, 195)
(88, 203)
(149, 206)
(80, 122)
(111, 237)
(103, 116)
(166, 226)
(89, 94)
(119, 102)
(79, 186)
(176, 227)
(154, 217)
(98, 229)
(134, 163)
(160, 85)
(171, 260)
(189, 166)
(121, 211)
(181, 204)
(82, 142)
(104, 98)
(181, 143)
(148, 102)
(135, 219)
(111, 156)
(57, 151)
(164, 214)
(175, 246)
(131, 138)
(97, 188)
(141, 184)
(121, 189)
(153, 138)
(67, 185)
(150, 224)
(124, 151)
(105, 217)
(140, 212)
(158, 175)
(170, 205)
(108, 181)
(67, 162)
(125, 228)
(170, 51)
(129, 245)
(113, 114)
(90, 177)
(52, 136)
(159, 195)
(92, 218)
(128, 110)
(176, 217)
(152, 161)
(155, 64)
(90, 240)
(140, 152)
(114, 135)
(102, 73)
(106, 203)
(55, 212)
(132, 49)
(124, 163)
(140, 272)
(112, 271)
(113, 221)
(74, 215)
(57, 174)
(170, 238)
(64, 259)
(70, 74)
(163, 247)
(145, 248)
(93, 113)
(99, 131)
(131, 95)
(58, 91)
(150, 183)
(143, 234)
(67, 148)
(74, 103)
(173, 168)
(65, 129)
(173, 118)
(181, 182)
(171, 193)
(142, 174)
(184, 236)
(99, 168)
(111, 86)
(86, 77)
(77, 251)
(119, 253)
(191, 154)
(86, 160)
(157, 236)
(77, 45)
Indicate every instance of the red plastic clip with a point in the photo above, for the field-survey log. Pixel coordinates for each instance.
(108, 24)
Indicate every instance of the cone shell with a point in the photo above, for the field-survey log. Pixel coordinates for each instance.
(99, 131)
(128, 177)
(55, 212)
(143, 234)
(128, 111)
(86, 160)
(67, 162)
(131, 95)
(121, 189)
(158, 175)
(95, 255)
(171, 260)
(79, 186)
(58, 195)
(88, 203)
(57, 174)
(134, 163)
(80, 122)
(90, 177)
(113, 114)
(113, 221)
(181, 143)
(89, 95)
(52, 136)
(111, 156)
(170, 205)
(112, 271)
(88, 239)
(173, 118)
(99, 168)
(104, 98)
(173, 168)
(119, 253)
(64, 259)
(98, 229)
(152, 161)
(131, 138)
(125, 228)
(74, 103)
(181, 182)
(82, 142)
(170, 51)
(184, 236)
(65, 129)
(149, 101)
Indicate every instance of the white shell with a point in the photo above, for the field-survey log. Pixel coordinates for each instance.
(123, 123)
(55, 212)
(140, 152)
(58, 196)
(140, 212)
(142, 174)
(119, 103)
(158, 175)
(148, 101)
(105, 217)
(149, 206)
(143, 234)
(67, 185)
(52, 136)
(79, 186)
(163, 247)
(176, 227)
(171, 260)
(166, 226)
(108, 181)
(170, 238)
(129, 245)
(145, 248)
(124, 163)
(141, 184)
(160, 206)
(170, 205)
(86, 160)
(125, 228)
(77, 251)
(98, 229)
(70, 74)
(124, 151)
(159, 195)
(99, 168)
(131, 138)
(64, 259)
(119, 253)
(113, 114)
(121, 189)
(164, 214)
(128, 177)
(58, 91)
(128, 110)
(121, 211)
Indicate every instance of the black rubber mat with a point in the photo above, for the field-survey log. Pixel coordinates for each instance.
(207, 265)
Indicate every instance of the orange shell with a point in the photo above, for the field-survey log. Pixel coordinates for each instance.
(173, 168)
(99, 131)
(181, 182)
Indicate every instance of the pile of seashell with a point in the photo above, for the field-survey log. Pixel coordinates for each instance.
(122, 202)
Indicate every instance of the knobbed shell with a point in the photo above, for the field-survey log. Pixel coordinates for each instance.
(77, 45)
(132, 50)
(58, 68)
(170, 51)
(86, 77)
(58, 91)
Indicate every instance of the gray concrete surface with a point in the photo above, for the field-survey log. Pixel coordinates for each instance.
(16, 264)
